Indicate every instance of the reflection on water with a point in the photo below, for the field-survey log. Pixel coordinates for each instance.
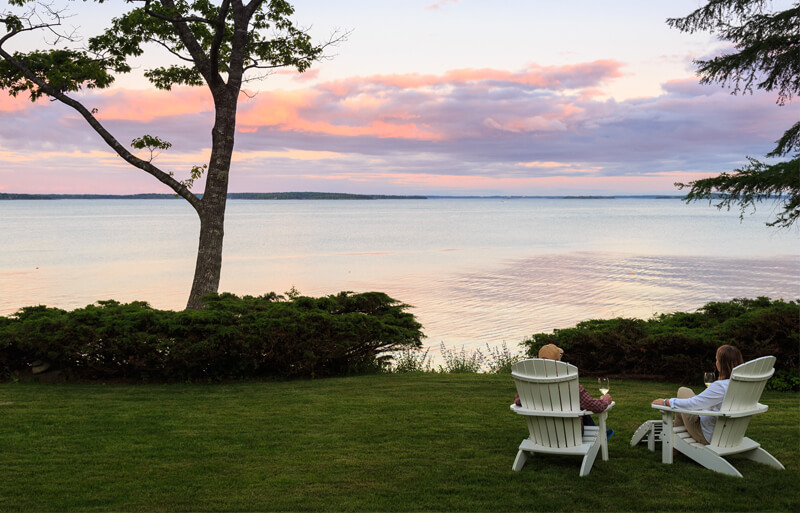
(476, 271)
(526, 296)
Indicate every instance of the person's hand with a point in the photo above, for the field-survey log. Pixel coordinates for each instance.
(658, 402)
(607, 398)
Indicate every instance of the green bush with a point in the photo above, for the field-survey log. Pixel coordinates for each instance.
(232, 338)
(680, 346)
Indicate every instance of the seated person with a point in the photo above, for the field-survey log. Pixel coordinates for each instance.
(701, 427)
(587, 402)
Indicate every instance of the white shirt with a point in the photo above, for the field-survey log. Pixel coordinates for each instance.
(709, 399)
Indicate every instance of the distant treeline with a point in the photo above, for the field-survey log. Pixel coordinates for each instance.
(233, 195)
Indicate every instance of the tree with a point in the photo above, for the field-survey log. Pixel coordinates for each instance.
(217, 44)
(765, 55)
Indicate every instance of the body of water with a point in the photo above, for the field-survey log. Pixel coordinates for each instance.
(477, 271)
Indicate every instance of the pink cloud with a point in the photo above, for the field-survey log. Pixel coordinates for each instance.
(439, 3)
(11, 104)
(147, 105)
(544, 77)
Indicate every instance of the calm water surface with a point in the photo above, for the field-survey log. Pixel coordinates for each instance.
(477, 271)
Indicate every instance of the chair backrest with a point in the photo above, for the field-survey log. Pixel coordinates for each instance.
(549, 386)
(744, 391)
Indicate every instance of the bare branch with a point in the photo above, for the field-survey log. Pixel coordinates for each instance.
(170, 50)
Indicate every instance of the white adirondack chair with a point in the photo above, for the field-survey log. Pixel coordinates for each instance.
(738, 406)
(548, 391)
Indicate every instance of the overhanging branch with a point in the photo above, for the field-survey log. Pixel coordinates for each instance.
(109, 139)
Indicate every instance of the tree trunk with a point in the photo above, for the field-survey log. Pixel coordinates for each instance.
(209, 256)
(212, 210)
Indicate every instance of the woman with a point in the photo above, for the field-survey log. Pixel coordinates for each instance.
(701, 427)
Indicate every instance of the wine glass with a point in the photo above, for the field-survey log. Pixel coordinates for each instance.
(708, 378)
(604, 386)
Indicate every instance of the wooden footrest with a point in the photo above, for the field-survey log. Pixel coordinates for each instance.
(651, 430)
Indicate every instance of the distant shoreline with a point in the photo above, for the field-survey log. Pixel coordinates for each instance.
(306, 196)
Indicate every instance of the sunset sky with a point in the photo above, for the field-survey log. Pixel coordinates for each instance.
(455, 97)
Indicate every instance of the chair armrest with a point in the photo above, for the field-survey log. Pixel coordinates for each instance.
(760, 408)
(541, 413)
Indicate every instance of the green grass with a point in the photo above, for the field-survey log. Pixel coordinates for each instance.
(424, 442)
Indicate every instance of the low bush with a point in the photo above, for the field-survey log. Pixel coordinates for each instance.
(462, 361)
(680, 346)
(411, 360)
(232, 338)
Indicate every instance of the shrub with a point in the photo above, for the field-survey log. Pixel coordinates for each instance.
(460, 361)
(411, 360)
(500, 359)
(232, 338)
(681, 346)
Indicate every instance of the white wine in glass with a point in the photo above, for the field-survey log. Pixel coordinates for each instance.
(708, 378)
(604, 387)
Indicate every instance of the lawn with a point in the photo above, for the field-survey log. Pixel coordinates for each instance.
(413, 442)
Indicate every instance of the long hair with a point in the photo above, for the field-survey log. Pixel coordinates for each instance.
(728, 357)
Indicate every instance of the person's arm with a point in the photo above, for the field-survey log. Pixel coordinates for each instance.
(589, 403)
(708, 398)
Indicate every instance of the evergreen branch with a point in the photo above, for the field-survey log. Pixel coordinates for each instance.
(752, 184)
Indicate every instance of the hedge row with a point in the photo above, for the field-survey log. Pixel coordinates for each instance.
(232, 338)
(679, 347)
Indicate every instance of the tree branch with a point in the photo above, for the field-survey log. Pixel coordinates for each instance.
(170, 50)
(204, 65)
(160, 175)
(220, 34)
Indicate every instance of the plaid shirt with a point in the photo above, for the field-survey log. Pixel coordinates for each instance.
(588, 403)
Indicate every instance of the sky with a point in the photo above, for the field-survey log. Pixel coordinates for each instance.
(449, 97)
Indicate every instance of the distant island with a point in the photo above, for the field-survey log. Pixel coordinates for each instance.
(232, 195)
(303, 196)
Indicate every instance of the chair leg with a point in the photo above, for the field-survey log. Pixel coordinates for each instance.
(706, 458)
(761, 456)
(520, 460)
(602, 435)
(588, 460)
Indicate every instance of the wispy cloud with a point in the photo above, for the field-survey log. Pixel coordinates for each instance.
(440, 3)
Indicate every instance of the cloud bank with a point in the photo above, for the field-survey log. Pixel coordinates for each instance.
(539, 130)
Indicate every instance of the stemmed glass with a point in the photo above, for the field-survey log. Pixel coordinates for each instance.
(604, 386)
(708, 378)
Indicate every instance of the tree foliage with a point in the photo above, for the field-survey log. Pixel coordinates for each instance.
(765, 55)
(218, 44)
